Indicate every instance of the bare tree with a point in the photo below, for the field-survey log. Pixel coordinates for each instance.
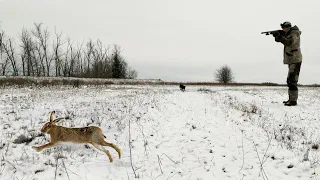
(38, 56)
(1, 37)
(3, 59)
(224, 74)
(88, 57)
(10, 53)
(27, 49)
(66, 60)
(36, 65)
(100, 58)
(75, 58)
(71, 60)
(131, 73)
(42, 37)
(108, 65)
(39, 60)
(57, 53)
(78, 61)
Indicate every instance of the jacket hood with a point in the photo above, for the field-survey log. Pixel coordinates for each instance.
(295, 29)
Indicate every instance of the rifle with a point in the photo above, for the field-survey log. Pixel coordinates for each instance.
(281, 32)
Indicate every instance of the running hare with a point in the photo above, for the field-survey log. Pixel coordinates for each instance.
(90, 134)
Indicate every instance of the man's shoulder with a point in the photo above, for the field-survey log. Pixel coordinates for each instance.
(295, 31)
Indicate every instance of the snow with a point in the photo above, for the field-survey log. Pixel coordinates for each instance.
(240, 133)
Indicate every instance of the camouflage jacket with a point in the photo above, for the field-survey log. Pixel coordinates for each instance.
(291, 41)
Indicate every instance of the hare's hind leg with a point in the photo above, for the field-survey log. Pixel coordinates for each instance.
(108, 153)
(101, 148)
(115, 147)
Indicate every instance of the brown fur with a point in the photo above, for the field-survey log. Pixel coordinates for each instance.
(90, 134)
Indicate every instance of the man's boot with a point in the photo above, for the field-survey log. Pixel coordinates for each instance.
(293, 97)
(288, 99)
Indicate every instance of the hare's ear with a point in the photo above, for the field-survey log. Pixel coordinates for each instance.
(52, 116)
(57, 120)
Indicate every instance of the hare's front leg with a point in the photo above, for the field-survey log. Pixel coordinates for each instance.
(40, 148)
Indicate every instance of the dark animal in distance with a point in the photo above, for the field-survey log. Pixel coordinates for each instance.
(182, 87)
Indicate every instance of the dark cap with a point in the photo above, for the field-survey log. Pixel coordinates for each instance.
(286, 24)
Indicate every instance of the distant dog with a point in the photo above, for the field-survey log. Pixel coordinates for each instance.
(182, 87)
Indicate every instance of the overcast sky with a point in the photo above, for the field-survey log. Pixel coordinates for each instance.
(182, 40)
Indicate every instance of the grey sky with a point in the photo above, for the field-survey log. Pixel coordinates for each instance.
(182, 40)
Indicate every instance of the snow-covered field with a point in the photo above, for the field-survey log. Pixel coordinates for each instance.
(205, 133)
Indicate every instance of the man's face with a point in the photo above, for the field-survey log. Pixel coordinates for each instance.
(285, 29)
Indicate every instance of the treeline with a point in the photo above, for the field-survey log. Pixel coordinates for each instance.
(40, 53)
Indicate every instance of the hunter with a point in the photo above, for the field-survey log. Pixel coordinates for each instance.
(292, 57)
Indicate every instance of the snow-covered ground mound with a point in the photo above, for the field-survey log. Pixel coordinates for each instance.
(204, 133)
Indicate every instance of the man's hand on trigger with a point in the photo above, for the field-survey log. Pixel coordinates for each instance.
(276, 33)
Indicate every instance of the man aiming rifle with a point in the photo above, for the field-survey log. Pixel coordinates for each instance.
(273, 32)
(290, 37)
